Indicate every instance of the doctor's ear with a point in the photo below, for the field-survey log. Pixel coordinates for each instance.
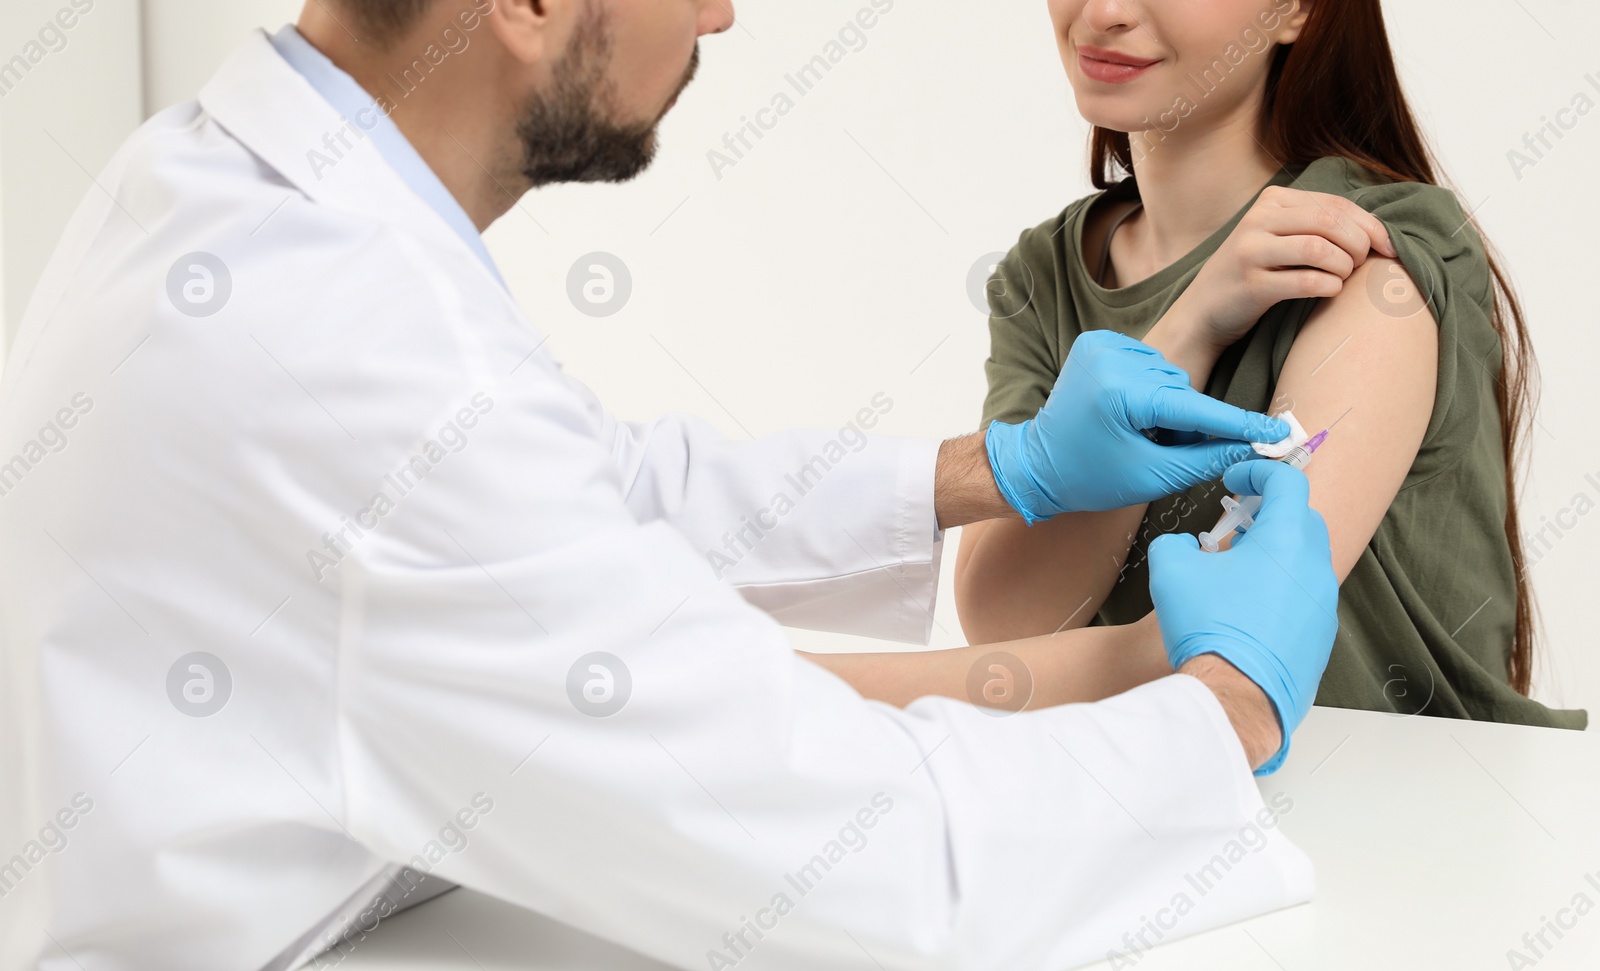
(524, 27)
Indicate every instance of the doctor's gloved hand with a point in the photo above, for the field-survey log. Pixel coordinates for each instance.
(1087, 450)
(1268, 605)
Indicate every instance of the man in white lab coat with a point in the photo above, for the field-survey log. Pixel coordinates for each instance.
(315, 564)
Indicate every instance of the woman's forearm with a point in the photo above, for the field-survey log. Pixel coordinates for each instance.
(1013, 580)
(1073, 666)
(1180, 337)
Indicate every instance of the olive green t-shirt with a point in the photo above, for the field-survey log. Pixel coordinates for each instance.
(1427, 615)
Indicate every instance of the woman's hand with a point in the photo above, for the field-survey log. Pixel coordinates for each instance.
(1290, 244)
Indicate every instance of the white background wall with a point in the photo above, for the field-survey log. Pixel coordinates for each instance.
(831, 263)
(59, 124)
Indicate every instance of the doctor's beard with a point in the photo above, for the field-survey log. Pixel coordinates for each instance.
(568, 133)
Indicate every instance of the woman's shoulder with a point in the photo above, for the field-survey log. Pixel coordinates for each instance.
(1419, 216)
(1051, 239)
(1035, 268)
(1417, 207)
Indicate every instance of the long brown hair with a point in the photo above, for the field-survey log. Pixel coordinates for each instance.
(1335, 91)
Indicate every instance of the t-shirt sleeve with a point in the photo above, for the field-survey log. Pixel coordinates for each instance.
(1025, 353)
(1445, 257)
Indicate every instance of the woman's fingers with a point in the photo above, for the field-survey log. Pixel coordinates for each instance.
(1276, 286)
(1336, 224)
(1296, 212)
(1308, 283)
(1315, 252)
(1291, 267)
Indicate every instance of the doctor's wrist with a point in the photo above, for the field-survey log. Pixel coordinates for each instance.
(1249, 710)
(964, 487)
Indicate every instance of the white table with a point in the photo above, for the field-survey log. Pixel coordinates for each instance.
(1438, 845)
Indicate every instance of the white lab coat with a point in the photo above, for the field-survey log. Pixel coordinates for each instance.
(375, 712)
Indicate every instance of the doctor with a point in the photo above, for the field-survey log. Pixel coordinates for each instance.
(316, 565)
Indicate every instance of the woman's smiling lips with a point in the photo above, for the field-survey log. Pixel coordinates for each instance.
(1111, 67)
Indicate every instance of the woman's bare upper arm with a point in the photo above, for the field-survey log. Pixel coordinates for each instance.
(1368, 362)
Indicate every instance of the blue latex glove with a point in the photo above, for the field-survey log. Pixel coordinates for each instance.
(1087, 450)
(1268, 605)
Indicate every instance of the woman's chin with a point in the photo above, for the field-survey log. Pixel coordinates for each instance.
(1124, 120)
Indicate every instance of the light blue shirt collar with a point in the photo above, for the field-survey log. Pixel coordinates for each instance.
(349, 99)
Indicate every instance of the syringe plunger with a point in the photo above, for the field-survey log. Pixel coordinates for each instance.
(1237, 514)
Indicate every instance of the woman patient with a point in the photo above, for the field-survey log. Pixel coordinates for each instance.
(1269, 219)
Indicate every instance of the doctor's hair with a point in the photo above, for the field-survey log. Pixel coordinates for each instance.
(1335, 91)
(383, 22)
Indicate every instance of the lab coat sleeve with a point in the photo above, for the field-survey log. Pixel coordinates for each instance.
(829, 530)
(548, 701)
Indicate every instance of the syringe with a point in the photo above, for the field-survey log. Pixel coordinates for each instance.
(1241, 513)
